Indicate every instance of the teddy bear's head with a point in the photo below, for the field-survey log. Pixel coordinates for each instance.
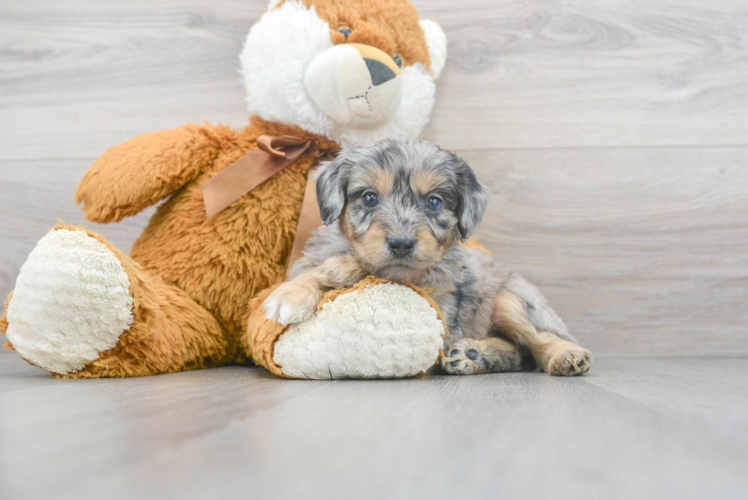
(354, 71)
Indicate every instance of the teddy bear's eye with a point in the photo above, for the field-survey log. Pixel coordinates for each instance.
(346, 31)
(398, 60)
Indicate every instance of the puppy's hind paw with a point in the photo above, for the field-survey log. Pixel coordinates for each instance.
(492, 355)
(572, 360)
(291, 303)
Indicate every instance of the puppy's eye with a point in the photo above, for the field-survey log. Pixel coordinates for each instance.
(398, 60)
(370, 199)
(346, 31)
(434, 203)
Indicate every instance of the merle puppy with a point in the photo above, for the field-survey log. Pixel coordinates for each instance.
(400, 210)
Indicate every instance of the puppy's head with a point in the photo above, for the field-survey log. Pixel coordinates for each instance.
(402, 203)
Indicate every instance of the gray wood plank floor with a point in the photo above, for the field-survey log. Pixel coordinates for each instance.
(657, 429)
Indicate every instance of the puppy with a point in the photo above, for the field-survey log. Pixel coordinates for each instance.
(401, 210)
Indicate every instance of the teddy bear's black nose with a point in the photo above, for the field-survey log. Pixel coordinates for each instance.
(401, 246)
(379, 71)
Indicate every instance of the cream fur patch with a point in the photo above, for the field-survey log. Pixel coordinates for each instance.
(71, 302)
(384, 331)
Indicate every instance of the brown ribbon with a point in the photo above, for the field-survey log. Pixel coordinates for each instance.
(272, 155)
(309, 219)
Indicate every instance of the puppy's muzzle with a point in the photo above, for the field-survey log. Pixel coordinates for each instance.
(401, 246)
(356, 85)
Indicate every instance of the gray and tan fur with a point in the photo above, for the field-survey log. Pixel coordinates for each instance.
(398, 210)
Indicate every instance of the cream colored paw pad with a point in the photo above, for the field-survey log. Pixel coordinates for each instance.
(71, 302)
(382, 331)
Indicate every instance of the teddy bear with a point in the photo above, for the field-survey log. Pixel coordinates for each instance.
(235, 208)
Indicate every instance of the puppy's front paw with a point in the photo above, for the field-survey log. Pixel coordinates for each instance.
(291, 303)
(571, 360)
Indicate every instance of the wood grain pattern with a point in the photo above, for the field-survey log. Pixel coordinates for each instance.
(81, 76)
(659, 429)
(520, 73)
(641, 250)
(613, 135)
(606, 73)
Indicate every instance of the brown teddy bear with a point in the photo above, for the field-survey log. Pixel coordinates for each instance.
(319, 74)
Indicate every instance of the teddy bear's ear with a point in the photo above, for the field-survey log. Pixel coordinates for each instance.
(437, 42)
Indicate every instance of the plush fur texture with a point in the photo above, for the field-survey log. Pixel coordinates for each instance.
(71, 302)
(279, 49)
(192, 280)
(398, 324)
(437, 43)
(373, 329)
(189, 301)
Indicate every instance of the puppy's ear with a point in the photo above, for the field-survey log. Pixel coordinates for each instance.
(472, 199)
(332, 183)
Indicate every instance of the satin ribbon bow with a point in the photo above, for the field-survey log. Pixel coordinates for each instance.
(273, 154)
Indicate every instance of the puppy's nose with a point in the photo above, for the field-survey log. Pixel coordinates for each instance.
(401, 246)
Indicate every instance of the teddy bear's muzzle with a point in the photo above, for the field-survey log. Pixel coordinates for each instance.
(356, 85)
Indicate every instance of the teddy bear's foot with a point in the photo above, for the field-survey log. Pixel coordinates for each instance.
(374, 329)
(71, 302)
(83, 309)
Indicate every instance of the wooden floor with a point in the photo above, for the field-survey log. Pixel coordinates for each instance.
(641, 429)
(614, 137)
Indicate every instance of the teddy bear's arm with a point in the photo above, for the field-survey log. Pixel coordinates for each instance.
(133, 175)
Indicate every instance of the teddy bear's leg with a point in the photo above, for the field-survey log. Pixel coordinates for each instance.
(258, 338)
(81, 308)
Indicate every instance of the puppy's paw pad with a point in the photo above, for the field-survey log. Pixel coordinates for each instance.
(571, 361)
(462, 359)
